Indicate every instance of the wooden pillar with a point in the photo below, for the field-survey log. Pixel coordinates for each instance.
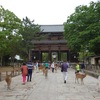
(50, 56)
(39, 54)
(59, 54)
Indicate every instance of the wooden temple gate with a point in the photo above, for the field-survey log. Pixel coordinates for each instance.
(54, 45)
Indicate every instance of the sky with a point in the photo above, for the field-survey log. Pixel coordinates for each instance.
(44, 12)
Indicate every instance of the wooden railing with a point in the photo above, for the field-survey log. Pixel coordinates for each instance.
(12, 71)
(91, 69)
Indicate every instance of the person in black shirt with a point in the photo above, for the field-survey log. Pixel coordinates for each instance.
(82, 67)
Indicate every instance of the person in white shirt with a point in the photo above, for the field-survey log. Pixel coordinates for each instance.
(37, 65)
(53, 66)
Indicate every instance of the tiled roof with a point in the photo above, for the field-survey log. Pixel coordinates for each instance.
(52, 28)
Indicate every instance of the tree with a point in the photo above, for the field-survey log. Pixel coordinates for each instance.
(82, 28)
(30, 32)
(10, 26)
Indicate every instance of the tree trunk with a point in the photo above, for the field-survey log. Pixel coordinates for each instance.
(1, 61)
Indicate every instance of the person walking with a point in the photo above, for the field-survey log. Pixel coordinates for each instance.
(53, 67)
(64, 68)
(46, 69)
(46, 64)
(24, 70)
(77, 68)
(37, 65)
(30, 71)
(82, 67)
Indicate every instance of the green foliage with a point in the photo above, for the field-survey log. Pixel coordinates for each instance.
(16, 36)
(95, 45)
(82, 29)
(30, 32)
(10, 26)
(45, 57)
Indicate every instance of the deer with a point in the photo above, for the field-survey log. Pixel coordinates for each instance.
(80, 76)
(8, 80)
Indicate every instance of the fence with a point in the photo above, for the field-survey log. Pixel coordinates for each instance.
(91, 69)
(6, 71)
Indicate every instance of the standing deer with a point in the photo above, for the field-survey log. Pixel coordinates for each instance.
(80, 76)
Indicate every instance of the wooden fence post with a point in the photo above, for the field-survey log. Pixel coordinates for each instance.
(0, 76)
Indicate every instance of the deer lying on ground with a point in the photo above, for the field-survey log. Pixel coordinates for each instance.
(8, 80)
(80, 76)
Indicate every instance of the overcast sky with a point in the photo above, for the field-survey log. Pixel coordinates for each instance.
(44, 12)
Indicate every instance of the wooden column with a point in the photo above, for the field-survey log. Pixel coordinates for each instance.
(50, 54)
(40, 59)
(59, 54)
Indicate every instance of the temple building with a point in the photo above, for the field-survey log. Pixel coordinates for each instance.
(53, 46)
